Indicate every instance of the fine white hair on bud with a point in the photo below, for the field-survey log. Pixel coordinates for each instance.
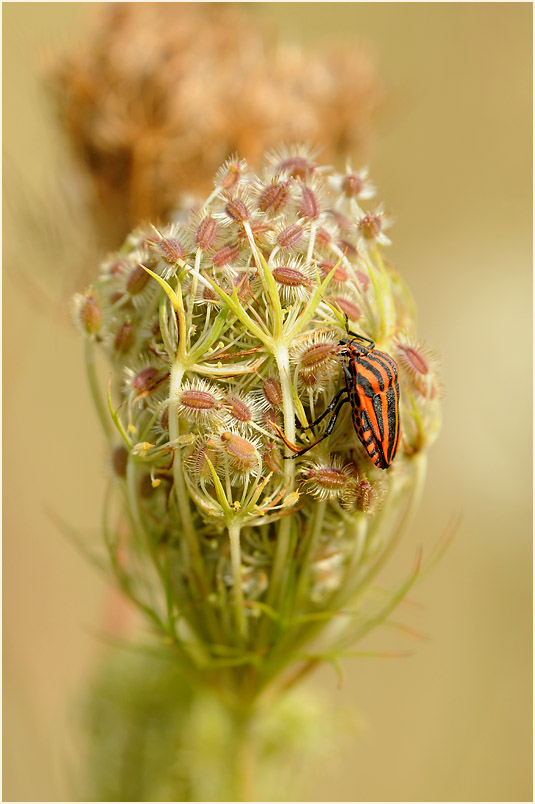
(325, 480)
(200, 402)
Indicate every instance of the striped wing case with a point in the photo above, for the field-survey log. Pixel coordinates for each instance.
(372, 384)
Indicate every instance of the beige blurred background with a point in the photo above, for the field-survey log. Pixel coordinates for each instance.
(452, 161)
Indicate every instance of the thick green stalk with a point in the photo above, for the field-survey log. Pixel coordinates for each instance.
(283, 542)
(235, 555)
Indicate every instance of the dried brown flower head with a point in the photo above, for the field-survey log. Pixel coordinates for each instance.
(163, 92)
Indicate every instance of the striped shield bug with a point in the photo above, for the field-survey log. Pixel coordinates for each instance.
(372, 390)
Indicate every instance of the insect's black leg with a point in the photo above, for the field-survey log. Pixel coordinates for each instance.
(327, 432)
(328, 409)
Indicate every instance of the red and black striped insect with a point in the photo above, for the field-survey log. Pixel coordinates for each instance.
(372, 390)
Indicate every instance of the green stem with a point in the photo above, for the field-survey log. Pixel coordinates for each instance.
(244, 757)
(235, 555)
(102, 409)
(308, 552)
(283, 541)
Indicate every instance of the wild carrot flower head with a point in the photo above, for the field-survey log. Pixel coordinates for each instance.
(223, 331)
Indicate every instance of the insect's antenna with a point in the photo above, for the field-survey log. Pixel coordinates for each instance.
(356, 335)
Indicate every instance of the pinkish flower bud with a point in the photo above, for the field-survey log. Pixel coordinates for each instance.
(290, 277)
(272, 392)
(370, 226)
(291, 236)
(170, 249)
(363, 495)
(317, 359)
(238, 409)
(323, 480)
(226, 255)
(352, 185)
(242, 454)
(310, 207)
(347, 306)
(124, 338)
(237, 209)
(349, 249)
(323, 237)
(340, 275)
(137, 280)
(199, 402)
(164, 419)
(274, 197)
(233, 171)
(198, 460)
(89, 313)
(299, 167)
(206, 233)
(363, 279)
(148, 380)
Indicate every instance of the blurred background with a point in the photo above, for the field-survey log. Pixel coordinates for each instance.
(450, 152)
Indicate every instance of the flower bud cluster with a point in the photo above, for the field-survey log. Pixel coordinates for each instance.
(223, 334)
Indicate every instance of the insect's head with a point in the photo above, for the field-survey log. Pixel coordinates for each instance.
(353, 344)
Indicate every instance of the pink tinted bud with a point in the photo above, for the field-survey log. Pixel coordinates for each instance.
(137, 280)
(118, 267)
(348, 248)
(274, 197)
(198, 400)
(367, 496)
(124, 337)
(237, 210)
(238, 409)
(232, 176)
(340, 275)
(242, 453)
(290, 277)
(347, 306)
(317, 355)
(299, 167)
(416, 360)
(272, 392)
(199, 459)
(148, 380)
(370, 226)
(323, 238)
(90, 313)
(170, 249)
(290, 236)
(206, 233)
(352, 185)
(325, 481)
(226, 255)
(310, 207)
